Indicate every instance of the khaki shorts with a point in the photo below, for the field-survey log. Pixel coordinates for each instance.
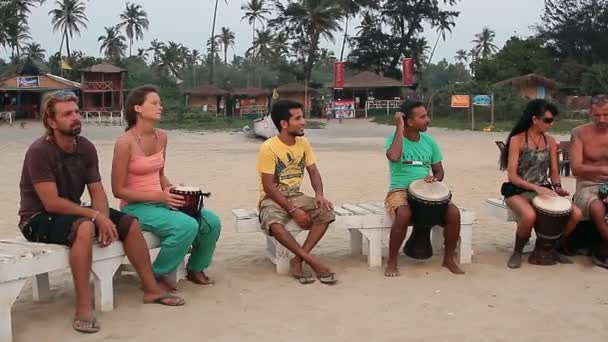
(586, 192)
(395, 199)
(271, 212)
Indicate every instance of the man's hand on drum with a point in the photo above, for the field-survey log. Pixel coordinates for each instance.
(172, 200)
(430, 179)
(302, 218)
(323, 203)
(561, 192)
(541, 190)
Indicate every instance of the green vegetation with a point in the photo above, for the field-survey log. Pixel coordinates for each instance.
(209, 122)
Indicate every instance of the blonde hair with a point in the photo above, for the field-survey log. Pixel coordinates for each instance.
(47, 109)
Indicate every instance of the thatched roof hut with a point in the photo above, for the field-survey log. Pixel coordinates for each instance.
(532, 86)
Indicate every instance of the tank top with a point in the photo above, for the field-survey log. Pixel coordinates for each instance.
(143, 173)
(534, 164)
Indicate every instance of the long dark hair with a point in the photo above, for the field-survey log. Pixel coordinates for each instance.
(137, 97)
(535, 108)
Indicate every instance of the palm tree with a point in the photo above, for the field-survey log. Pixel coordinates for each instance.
(34, 50)
(212, 38)
(142, 54)
(462, 56)
(157, 48)
(311, 20)
(172, 58)
(113, 44)
(135, 21)
(444, 25)
(226, 38)
(262, 47)
(68, 19)
(350, 9)
(255, 12)
(484, 43)
(17, 31)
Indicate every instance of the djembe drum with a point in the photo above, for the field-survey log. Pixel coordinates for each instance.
(552, 214)
(193, 199)
(428, 202)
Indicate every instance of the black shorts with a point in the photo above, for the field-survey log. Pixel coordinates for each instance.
(60, 229)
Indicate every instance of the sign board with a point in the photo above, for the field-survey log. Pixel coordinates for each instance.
(408, 71)
(344, 109)
(482, 100)
(461, 101)
(27, 81)
(339, 75)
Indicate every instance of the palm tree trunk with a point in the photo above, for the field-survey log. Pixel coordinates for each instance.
(130, 45)
(67, 42)
(225, 54)
(213, 44)
(310, 59)
(344, 39)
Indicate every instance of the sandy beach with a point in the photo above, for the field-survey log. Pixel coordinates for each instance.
(252, 303)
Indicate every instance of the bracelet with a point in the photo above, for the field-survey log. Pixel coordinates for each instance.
(94, 216)
(292, 210)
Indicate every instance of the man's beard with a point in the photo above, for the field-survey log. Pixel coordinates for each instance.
(72, 131)
(296, 134)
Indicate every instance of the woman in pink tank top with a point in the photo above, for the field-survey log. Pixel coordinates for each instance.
(139, 181)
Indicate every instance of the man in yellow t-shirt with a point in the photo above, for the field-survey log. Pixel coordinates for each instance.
(282, 161)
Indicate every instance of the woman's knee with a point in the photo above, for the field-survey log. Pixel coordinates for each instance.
(527, 217)
(213, 221)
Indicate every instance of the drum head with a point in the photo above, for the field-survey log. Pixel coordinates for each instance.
(552, 204)
(436, 191)
(186, 188)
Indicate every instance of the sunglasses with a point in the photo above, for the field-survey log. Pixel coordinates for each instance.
(597, 99)
(547, 120)
(62, 94)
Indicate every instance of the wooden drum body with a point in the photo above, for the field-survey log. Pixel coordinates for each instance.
(552, 215)
(428, 202)
(193, 198)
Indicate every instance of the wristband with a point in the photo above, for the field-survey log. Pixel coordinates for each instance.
(292, 210)
(94, 216)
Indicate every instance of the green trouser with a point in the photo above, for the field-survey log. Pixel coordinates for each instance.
(177, 232)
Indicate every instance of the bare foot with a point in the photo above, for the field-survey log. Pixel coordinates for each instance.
(199, 278)
(451, 265)
(391, 270)
(319, 268)
(166, 285)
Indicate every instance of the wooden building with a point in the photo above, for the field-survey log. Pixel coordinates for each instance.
(21, 92)
(102, 87)
(250, 101)
(206, 97)
(532, 86)
(296, 92)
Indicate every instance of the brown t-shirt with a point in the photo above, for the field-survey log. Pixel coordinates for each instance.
(47, 162)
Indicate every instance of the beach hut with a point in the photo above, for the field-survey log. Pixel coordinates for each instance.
(206, 97)
(102, 87)
(296, 92)
(367, 91)
(532, 86)
(250, 101)
(22, 91)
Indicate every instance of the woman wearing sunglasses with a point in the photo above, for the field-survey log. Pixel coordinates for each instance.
(531, 160)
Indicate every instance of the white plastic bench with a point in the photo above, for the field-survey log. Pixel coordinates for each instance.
(367, 220)
(20, 260)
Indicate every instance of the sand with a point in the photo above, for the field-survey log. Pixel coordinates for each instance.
(252, 303)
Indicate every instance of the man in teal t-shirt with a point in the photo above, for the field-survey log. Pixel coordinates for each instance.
(415, 155)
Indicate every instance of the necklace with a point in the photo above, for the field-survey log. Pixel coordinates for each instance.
(536, 143)
(139, 139)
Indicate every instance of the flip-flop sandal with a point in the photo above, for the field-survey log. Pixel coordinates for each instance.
(327, 278)
(162, 300)
(204, 283)
(304, 279)
(87, 325)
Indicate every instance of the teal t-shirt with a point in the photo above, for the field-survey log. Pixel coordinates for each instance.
(416, 160)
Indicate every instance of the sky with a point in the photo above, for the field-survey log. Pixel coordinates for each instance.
(189, 22)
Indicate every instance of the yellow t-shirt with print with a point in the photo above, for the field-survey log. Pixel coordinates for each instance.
(286, 163)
